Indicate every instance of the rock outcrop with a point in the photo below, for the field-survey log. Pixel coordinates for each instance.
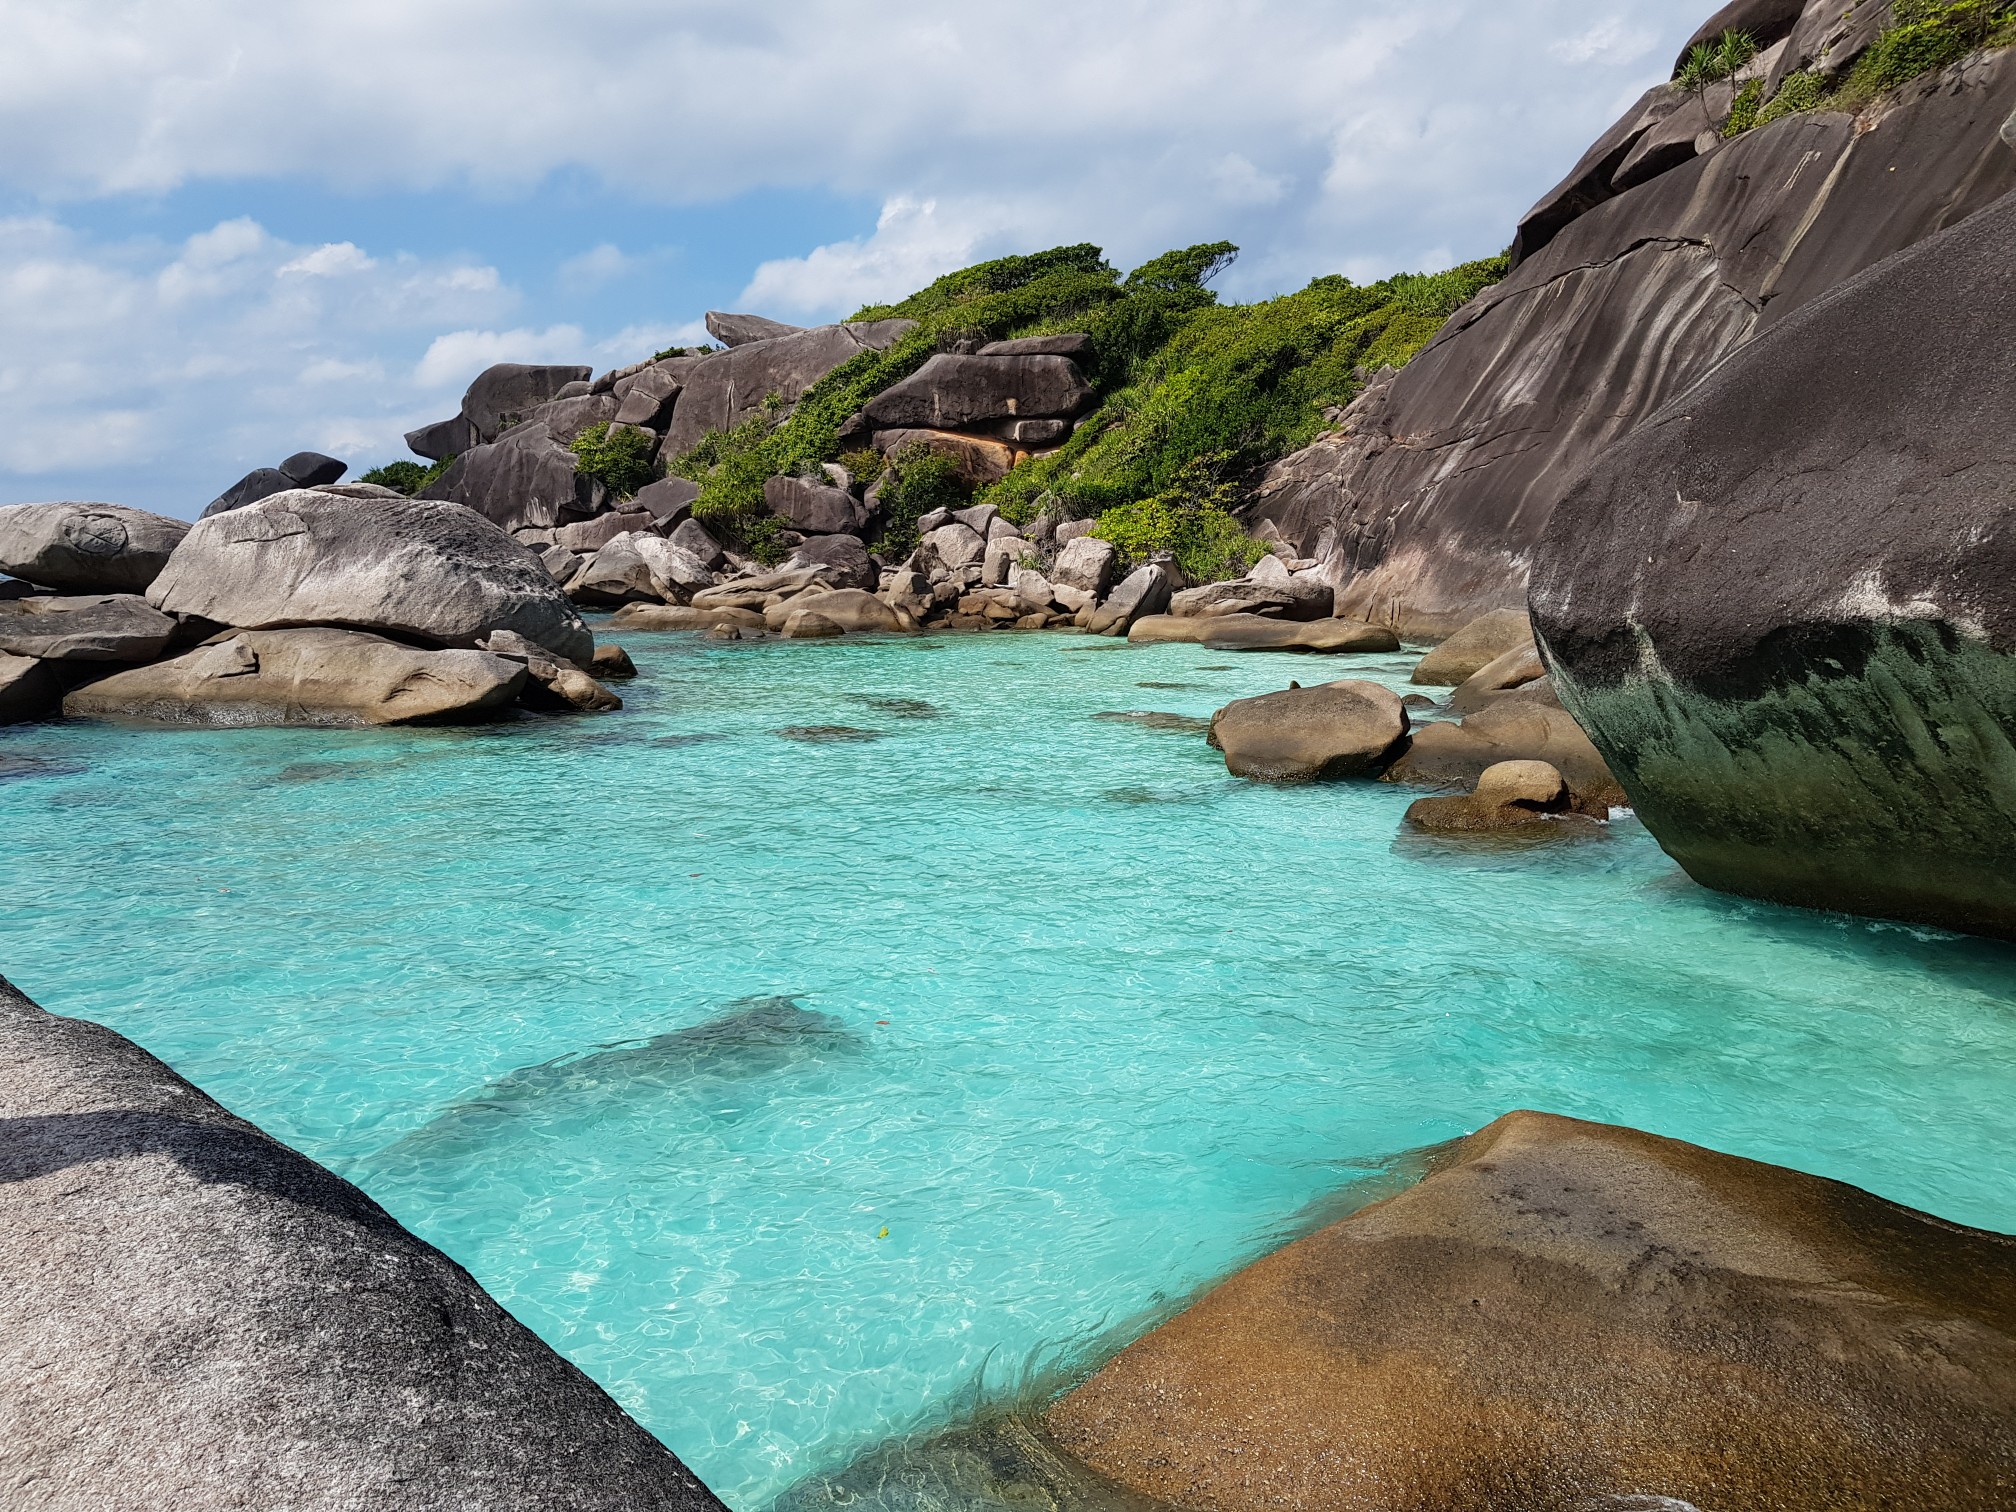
(29, 689)
(302, 470)
(1473, 648)
(109, 627)
(1785, 608)
(1337, 729)
(1567, 1316)
(209, 1319)
(86, 548)
(528, 478)
(1252, 632)
(722, 389)
(1427, 501)
(436, 572)
(1526, 724)
(500, 397)
(305, 677)
(950, 392)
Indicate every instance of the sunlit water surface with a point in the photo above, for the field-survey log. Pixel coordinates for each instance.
(1081, 1023)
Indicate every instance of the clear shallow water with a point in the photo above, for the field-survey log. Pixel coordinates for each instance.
(1086, 1023)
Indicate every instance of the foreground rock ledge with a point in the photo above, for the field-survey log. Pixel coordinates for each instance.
(1567, 1315)
(194, 1316)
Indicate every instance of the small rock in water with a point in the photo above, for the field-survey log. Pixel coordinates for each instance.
(21, 768)
(827, 734)
(1168, 685)
(724, 633)
(902, 708)
(611, 661)
(686, 740)
(1153, 719)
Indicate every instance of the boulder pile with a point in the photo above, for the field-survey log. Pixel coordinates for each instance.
(341, 604)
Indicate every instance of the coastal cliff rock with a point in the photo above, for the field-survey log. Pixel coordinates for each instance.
(433, 571)
(951, 391)
(501, 396)
(210, 1319)
(528, 478)
(1785, 608)
(86, 548)
(1567, 1316)
(1426, 503)
(725, 388)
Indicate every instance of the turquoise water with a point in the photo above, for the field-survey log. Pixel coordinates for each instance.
(1080, 1022)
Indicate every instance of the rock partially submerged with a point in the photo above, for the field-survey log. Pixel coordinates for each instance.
(1252, 632)
(1567, 1316)
(86, 548)
(1526, 724)
(304, 677)
(1785, 608)
(1473, 648)
(1512, 795)
(210, 1319)
(1337, 729)
(433, 571)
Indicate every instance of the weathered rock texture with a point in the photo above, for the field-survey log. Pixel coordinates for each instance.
(192, 1315)
(1336, 729)
(305, 677)
(1568, 1316)
(434, 571)
(725, 388)
(86, 548)
(1785, 609)
(525, 478)
(102, 627)
(1426, 504)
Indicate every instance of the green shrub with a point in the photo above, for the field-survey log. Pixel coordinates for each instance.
(920, 481)
(619, 457)
(405, 477)
(1926, 37)
(863, 466)
(1797, 93)
(1743, 111)
(1191, 520)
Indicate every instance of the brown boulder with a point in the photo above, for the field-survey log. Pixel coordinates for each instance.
(1515, 669)
(684, 617)
(813, 508)
(1527, 724)
(850, 609)
(1252, 632)
(1473, 648)
(1510, 795)
(1565, 1316)
(981, 460)
(1338, 729)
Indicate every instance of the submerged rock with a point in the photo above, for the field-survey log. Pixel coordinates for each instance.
(684, 617)
(1338, 729)
(1785, 608)
(434, 571)
(304, 677)
(211, 1319)
(1568, 1315)
(86, 548)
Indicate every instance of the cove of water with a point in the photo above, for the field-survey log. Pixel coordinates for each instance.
(794, 1084)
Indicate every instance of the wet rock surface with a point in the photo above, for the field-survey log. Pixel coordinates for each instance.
(1783, 608)
(1567, 1315)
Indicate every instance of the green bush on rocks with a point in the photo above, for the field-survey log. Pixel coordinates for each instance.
(406, 477)
(620, 458)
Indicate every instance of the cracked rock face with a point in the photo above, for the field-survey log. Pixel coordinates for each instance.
(1785, 607)
(1424, 506)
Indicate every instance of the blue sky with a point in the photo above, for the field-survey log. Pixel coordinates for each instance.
(231, 229)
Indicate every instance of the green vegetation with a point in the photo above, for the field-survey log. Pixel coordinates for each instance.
(1710, 62)
(1923, 37)
(620, 457)
(1181, 381)
(1191, 520)
(919, 481)
(406, 477)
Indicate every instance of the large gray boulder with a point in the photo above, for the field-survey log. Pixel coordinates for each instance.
(951, 391)
(305, 677)
(302, 470)
(99, 627)
(842, 559)
(725, 388)
(740, 330)
(436, 572)
(1336, 729)
(1087, 564)
(209, 1319)
(1785, 608)
(86, 548)
(1425, 505)
(528, 478)
(501, 397)
(814, 508)
(1143, 592)
(1299, 597)
(1563, 1316)
(638, 567)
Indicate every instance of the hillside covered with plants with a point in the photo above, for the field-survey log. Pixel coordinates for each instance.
(1192, 396)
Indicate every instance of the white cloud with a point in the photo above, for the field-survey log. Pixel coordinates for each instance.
(1612, 40)
(914, 241)
(172, 368)
(458, 356)
(596, 266)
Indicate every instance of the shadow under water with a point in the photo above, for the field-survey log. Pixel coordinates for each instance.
(756, 1036)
